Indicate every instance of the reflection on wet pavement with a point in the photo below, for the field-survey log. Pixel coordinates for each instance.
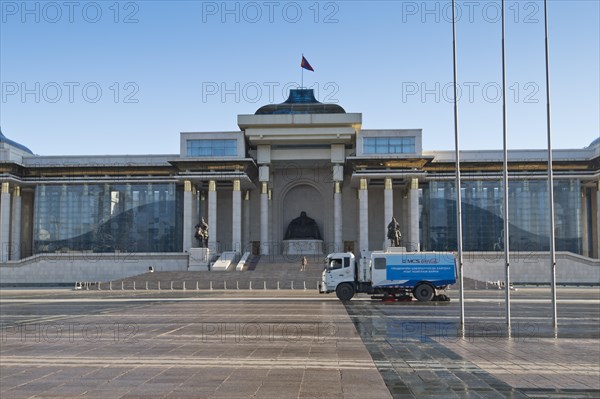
(421, 351)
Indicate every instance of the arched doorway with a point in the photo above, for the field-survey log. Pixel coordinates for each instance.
(303, 197)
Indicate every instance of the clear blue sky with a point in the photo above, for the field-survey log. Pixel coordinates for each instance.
(162, 67)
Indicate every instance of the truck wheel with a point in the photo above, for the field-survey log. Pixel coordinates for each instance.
(424, 292)
(344, 292)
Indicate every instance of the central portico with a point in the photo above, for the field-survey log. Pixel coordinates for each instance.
(300, 150)
(300, 157)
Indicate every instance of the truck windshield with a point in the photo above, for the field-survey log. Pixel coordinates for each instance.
(335, 264)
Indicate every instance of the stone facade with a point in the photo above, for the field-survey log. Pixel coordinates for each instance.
(291, 157)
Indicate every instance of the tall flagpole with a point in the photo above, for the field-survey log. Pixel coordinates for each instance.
(458, 185)
(505, 183)
(550, 176)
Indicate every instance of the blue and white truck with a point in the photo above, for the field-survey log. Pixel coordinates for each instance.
(389, 273)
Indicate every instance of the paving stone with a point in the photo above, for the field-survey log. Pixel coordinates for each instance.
(414, 359)
(168, 347)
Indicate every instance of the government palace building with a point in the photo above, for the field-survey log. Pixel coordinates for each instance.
(96, 218)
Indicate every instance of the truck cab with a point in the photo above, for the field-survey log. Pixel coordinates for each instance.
(339, 268)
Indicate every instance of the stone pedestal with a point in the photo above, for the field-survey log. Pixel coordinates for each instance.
(199, 259)
(303, 247)
(395, 249)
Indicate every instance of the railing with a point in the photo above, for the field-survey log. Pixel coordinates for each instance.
(183, 286)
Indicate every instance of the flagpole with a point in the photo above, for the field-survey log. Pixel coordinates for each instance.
(302, 79)
(505, 181)
(550, 177)
(458, 185)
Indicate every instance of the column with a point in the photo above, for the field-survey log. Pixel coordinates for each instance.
(405, 217)
(106, 206)
(337, 217)
(195, 216)
(264, 219)
(203, 205)
(39, 233)
(585, 240)
(413, 226)
(64, 222)
(212, 216)
(363, 216)
(273, 247)
(86, 216)
(597, 241)
(197, 210)
(188, 227)
(15, 253)
(5, 222)
(246, 227)
(236, 217)
(388, 207)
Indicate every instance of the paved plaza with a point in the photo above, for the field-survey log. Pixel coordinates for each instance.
(295, 344)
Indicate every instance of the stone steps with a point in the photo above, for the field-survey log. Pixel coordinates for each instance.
(272, 272)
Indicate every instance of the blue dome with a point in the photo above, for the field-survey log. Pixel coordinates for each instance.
(300, 101)
(595, 142)
(4, 139)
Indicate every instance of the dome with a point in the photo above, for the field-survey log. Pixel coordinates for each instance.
(300, 101)
(594, 143)
(4, 139)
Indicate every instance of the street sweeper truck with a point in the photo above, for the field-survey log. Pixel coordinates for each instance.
(391, 273)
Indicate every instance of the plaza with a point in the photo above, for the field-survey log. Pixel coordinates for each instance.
(284, 344)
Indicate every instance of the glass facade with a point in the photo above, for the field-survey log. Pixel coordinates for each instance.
(108, 218)
(483, 220)
(212, 148)
(389, 145)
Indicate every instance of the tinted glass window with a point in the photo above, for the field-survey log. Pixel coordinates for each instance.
(212, 148)
(379, 263)
(108, 218)
(389, 145)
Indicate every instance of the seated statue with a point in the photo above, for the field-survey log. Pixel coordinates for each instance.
(303, 228)
(394, 234)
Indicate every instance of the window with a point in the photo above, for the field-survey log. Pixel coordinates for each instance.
(380, 263)
(335, 264)
(389, 145)
(108, 218)
(346, 262)
(482, 209)
(212, 148)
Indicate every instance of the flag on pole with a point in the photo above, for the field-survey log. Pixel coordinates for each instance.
(304, 64)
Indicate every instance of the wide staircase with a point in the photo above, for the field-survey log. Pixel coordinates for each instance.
(266, 272)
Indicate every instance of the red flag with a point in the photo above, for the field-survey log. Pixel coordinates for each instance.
(304, 64)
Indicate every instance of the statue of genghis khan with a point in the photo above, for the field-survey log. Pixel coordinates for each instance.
(393, 233)
(303, 228)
